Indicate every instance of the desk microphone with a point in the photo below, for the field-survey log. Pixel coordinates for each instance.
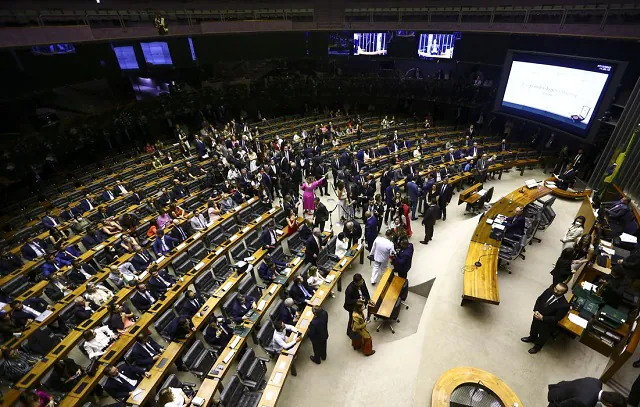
(477, 263)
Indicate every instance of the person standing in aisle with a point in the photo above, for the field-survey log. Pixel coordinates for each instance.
(431, 214)
(402, 260)
(318, 334)
(381, 251)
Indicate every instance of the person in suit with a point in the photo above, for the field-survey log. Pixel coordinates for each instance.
(389, 193)
(49, 221)
(67, 213)
(120, 189)
(163, 243)
(107, 195)
(312, 247)
(240, 306)
(514, 225)
(33, 249)
(450, 156)
(23, 312)
(549, 309)
(287, 313)
(268, 270)
(352, 231)
(87, 203)
(412, 191)
(160, 281)
(301, 292)
(120, 318)
(141, 260)
(355, 291)
(9, 262)
(198, 222)
(321, 214)
(268, 236)
(567, 177)
(180, 328)
(579, 160)
(122, 380)
(443, 196)
(200, 147)
(431, 214)
(474, 151)
(620, 217)
(370, 229)
(335, 168)
(80, 272)
(81, 310)
(586, 392)
(92, 238)
(192, 304)
(142, 298)
(218, 333)
(403, 258)
(318, 334)
(50, 266)
(145, 351)
(483, 166)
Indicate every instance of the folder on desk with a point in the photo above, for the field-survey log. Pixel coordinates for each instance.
(235, 342)
(497, 226)
(261, 305)
(481, 192)
(229, 356)
(137, 395)
(44, 315)
(531, 183)
(627, 238)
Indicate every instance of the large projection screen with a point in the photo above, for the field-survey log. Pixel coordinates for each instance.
(562, 92)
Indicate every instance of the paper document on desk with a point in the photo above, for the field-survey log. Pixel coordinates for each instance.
(608, 250)
(627, 238)
(531, 183)
(481, 192)
(581, 322)
(589, 286)
(137, 395)
(44, 315)
(497, 226)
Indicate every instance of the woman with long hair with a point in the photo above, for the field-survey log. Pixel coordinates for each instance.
(308, 195)
(292, 222)
(582, 252)
(405, 212)
(573, 233)
(359, 326)
(173, 397)
(120, 318)
(343, 197)
(562, 270)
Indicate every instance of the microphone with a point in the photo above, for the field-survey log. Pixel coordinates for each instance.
(478, 263)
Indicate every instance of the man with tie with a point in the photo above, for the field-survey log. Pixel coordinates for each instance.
(483, 166)
(474, 151)
(218, 333)
(287, 312)
(25, 312)
(412, 190)
(80, 272)
(273, 172)
(192, 304)
(514, 225)
(578, 160)
(141, 260)
(163, 243)
(122, 381)
(285, 160)
(49, 221)
(142, 298)
(179, 231)
(621, 218)
(356, 166)
(240, 306)
(145, 351)
(268, 236)
(443, 195)
(160, 281)
(33, 249)
(567, 178)
(301, 292)
(549, 309)
(120, 189)
(198, 222)
(268, 270)
(68, 213)
(87, 203)
(318, 334)
(370, 228)
(92, 238)
(503, 146)
(312, 247)
(335, 168)
(107, 195)
(50, 266)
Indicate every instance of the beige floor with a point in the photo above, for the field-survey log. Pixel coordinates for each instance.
(438, 334)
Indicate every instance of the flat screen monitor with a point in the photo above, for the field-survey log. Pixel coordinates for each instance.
(340, 43)
(126, 57)
(53, 49)
(437, 45)
(394, 43)
(156, 53)
(561, 91)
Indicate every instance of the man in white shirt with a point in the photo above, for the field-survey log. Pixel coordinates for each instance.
(98, 294)
(96, 341)
(279, 341)
(381, 250)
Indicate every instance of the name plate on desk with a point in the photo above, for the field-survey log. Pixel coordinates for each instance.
(227, 286)
(199, 266)
(181, 246)
(252, 200)
(277, 378)
(98, 247)
(196, 235)
(143, 275)
(269, 395)
(229, 356)
(272, 289)
(296, 261)
(245, 229)
(159, 259)
(235, 342)
(358, 247)
(280, 232)
(320, 293)
(272, 210)
(259, 218)
(233, 238)
(343, 262)
(304, 323)
(237, 208)
(261, 305)
(218, 251)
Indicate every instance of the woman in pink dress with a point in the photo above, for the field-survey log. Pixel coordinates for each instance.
(307, 196)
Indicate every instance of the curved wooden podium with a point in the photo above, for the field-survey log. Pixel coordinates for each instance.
(452, 379)
(562, 193)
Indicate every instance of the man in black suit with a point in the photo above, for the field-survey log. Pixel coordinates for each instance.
(160, 281)
(335, 167)
(141, 259)
(145, 351)
(514, 225)
(550, 308)
(180, 231)
(80, 272)
(192, 304)
(318, 334)
(321, 214)
(585, 392)
(312, 247)
(620, 217)
(300, 292)
(443, 195)
(123, 380)
(353, 232)
(268, 236)
(431, 214)
(142, 298)
(355, 291)
(567, 177)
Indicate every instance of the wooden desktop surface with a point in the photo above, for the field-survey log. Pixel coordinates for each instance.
(390, 297)
(453, 378)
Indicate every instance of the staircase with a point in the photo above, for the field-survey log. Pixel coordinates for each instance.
(329, 15)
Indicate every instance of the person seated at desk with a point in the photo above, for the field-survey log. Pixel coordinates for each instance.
(82, 309)
(469, 166)
(120, 318)
(193, 303)
(107, 195)
(620, 217)
(96, 341)
(92, 238)
(49, 221)
(160, 281)
(142, 298)
(173, 397)
(128, 243)
(50, 266)
(193, 171)
(122, 381)
(279, 341)
(104, 213)
(567, 178)
(178, 191)
(287, 312)
(67, 213)
(179, 175)
(218, 333)
(80, 272)
(164, 219)
(583, 252)
(584, 392)
(268, 236)
(268, 270)
(65, 255)
(9, 262)
(213, 211)
(79, 224)
(55, 237)
(177, 212)
(342, 245)
(198, 221)
(164, 199)
(141, 260)
(87, 204)
(145, 351)
(120, 189)
(33, 249)
(514, 225)
(180, 328)
(58, 286)
(163, 243)
(226, 203)
(66, 373)
(15, 364)
(301, 292)
(23, 313)
(7, 326)
(240, 306)
(110, 228)
(98, 294)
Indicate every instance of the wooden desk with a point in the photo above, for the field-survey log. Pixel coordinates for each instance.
(563, 193)
(148, 385)
(381, 288)
(469, 194)
(390, 297)
(452, 379)
(480, 283)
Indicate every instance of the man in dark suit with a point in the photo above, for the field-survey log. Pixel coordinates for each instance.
(431, 214)
(335, 167)
(141, 259)
(287, 313)
(142, 298)
(123, 380)
(25, 311)
(92, 238)
(145, 351)
(370, 229)
(192, 304)
(218, 333)
(9, 262)
(355, 291)
(514, 225)
(567, 177)
(33, 249)
(268, 270)
(312, 247)
(180, 231)
(585, 392)
(81, 310)
(318, 334)
(240, 306)
(80, 272)
(268, 236)
(412, 191)
(67, 213)
(620, 217)
(549, 309)
(163, 243)
(483, 166)
(403, 258)
(389, 194)
(301, 292)
(107, 195)
(87, 203)
(353, 232)
(49, 221)
(160, 281)
(474, 151)
(443, 195)
(321, 214)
